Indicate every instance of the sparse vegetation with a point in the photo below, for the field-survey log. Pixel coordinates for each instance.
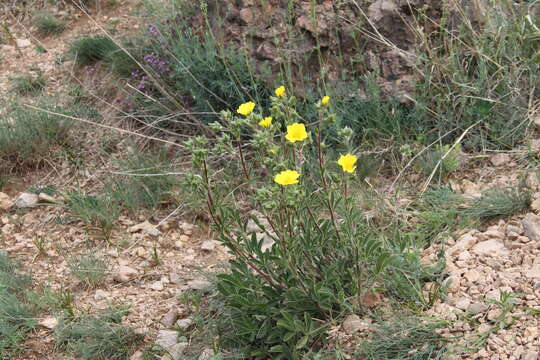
(96, 211)
(499, 202)
(91, 49)
(16, 312)
(27, 136)
(89, 269)
(47, 24)
(99, 336)
(28, 84)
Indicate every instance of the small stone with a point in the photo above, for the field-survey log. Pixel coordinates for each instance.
(484, 328)
(491, 247)
(209, 245)
(533, 272)
(169, 318)
(499, 159)
(477, 307)
(125, 273)
(184, 238)
(246, 15)
(101, 295)
(454, 282)
(472, 275)
(43, 197)
(462, 304)
(22, 43)
(167, 338)
(184, 324)
(145, 227)
(178, 244)
(530, 355)
(492, 315)
(26, 200)
(175, 278)
(464, 243)
(175, 352)
(49, 322)
(201, 285)
(535, 205)
(206, 354)
(353, 323)
(137, 355)
(157, 286)
(140, 251)
(531, 226)
(5, 202)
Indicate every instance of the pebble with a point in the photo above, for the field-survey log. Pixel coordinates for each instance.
(499, 159)
(353, 323)
(26, 200)
(5, 202)
(463, 304)
(209, 245)
(146, 228)
(101, 295)
(124, 273)
(49, 322)
(477, 307)
(201, 285)
(184, 324)
(169, 318)
(167, 338)
(491, 247)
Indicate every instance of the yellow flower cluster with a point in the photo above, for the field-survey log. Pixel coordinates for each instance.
(348, 162)
(287, 177)
(266, 122)
(246, 108)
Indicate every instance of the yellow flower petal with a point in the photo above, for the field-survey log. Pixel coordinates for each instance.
(325, 100)
(266, 122)
(280, 91)
(287, 177)
(296, 132)
(348, 162)
(246, 108)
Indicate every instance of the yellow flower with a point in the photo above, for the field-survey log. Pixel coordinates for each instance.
(273, 151)
(325, 100)
(266, 122)
(296, 132)
(246, 108)
(280, 91)
(287, 177)
(348, 162)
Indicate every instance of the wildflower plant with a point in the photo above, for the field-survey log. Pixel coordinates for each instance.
(323, 258)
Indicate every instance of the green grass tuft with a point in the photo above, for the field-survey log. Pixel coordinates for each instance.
(27, 136)
(96, 211)
(98, 337)
(27, 84)
(499, 202)
(89, 269)
(89, 50)
(16, 313)
(47, 24)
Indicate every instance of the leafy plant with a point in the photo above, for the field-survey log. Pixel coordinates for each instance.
(442, 161)
(310, 256)
(97, 337)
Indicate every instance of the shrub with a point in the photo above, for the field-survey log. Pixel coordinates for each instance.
(91, 49)
(97, 337)
(28, 135)
(47, 24)
(16, 313)
(27, 84)
(325, 258)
